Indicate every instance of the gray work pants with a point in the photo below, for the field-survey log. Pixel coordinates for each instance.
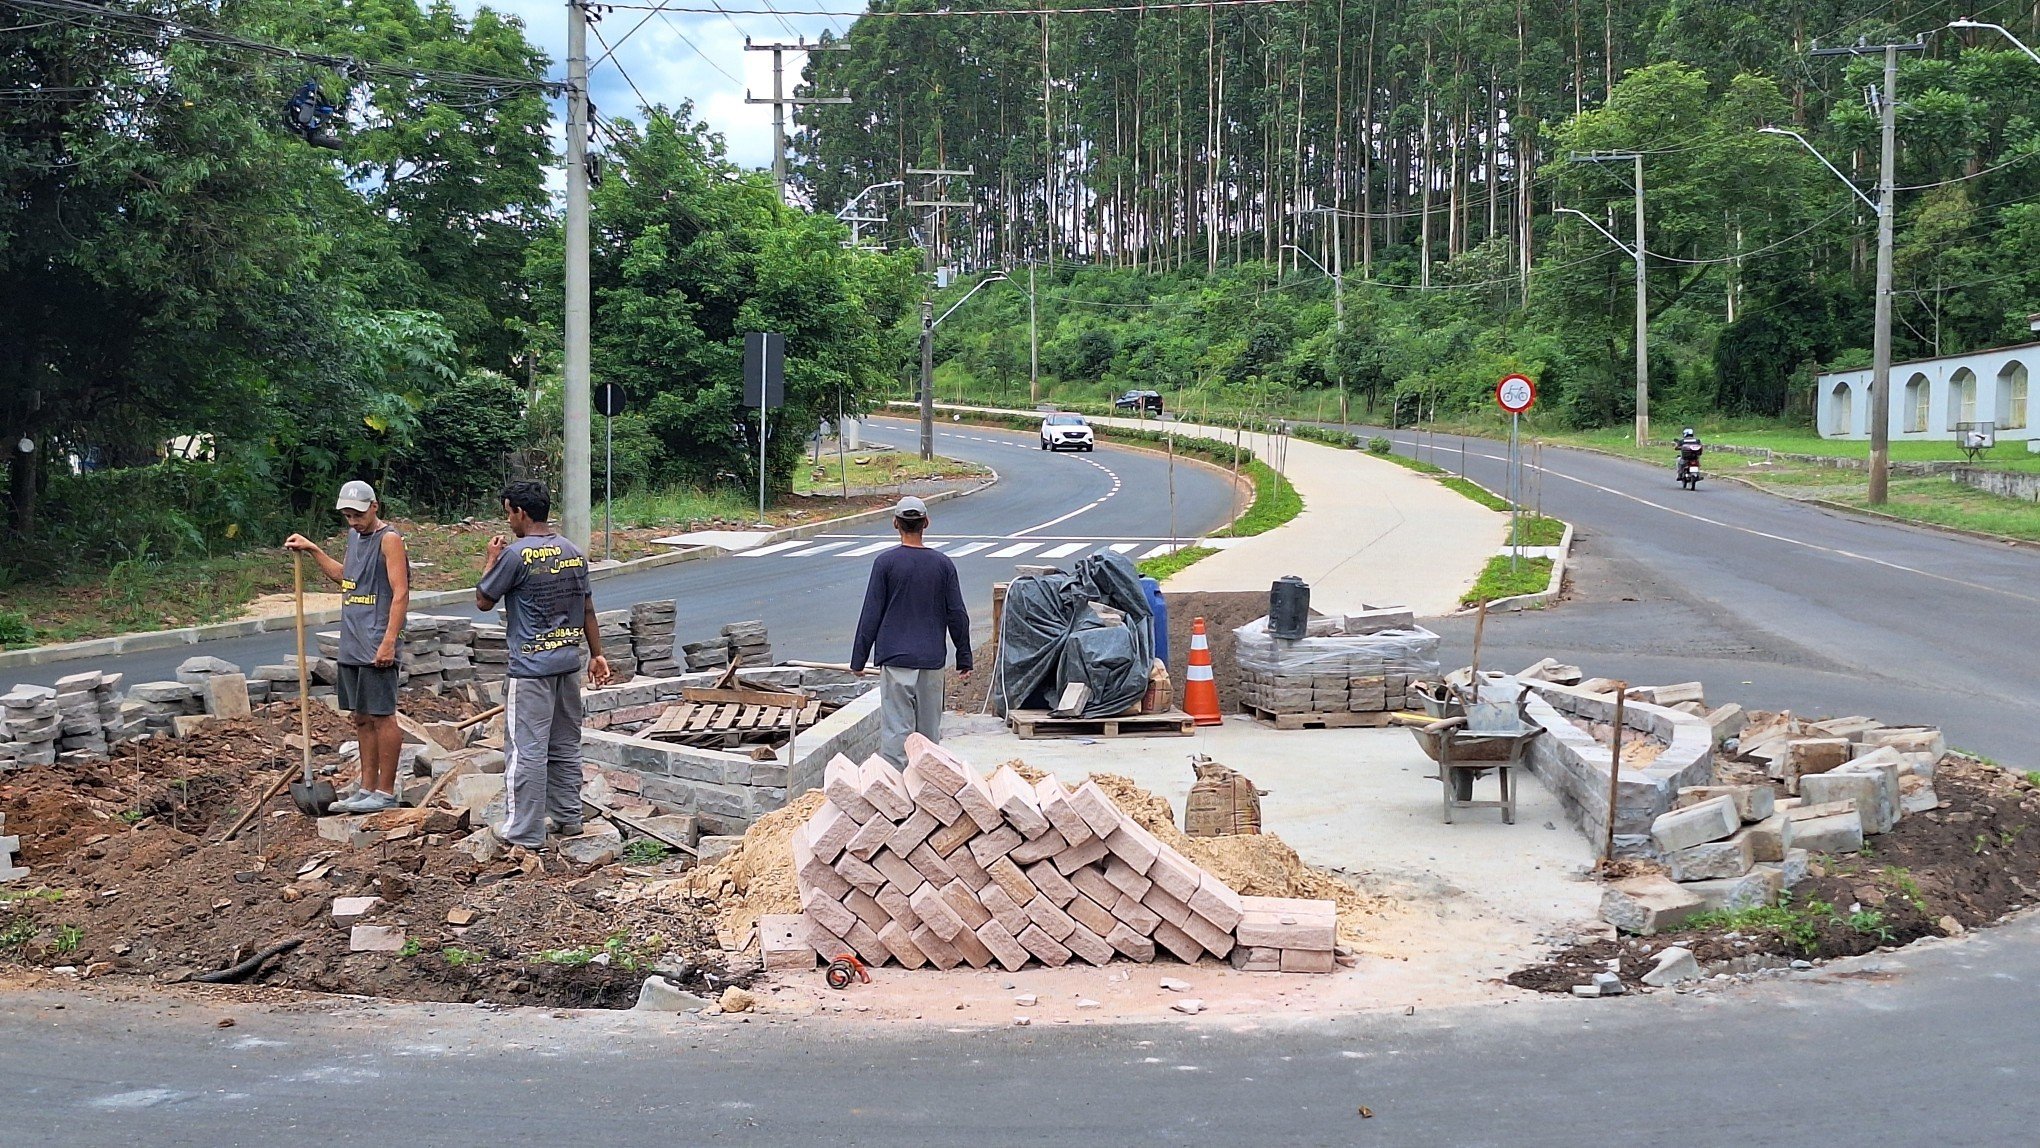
(909, 701)
(542, 751)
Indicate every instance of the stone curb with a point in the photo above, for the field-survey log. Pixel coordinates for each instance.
(1541, 598)
(149, 640)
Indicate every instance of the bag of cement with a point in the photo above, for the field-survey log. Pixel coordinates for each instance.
(1222, 801)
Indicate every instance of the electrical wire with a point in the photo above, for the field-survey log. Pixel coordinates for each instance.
(710, 60)
(608, 54)
(1030, 13)
(161, 28)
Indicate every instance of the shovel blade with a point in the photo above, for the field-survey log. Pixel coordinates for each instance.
(313, 800)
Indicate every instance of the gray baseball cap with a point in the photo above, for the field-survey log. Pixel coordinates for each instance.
(910, 507)
(356, 495)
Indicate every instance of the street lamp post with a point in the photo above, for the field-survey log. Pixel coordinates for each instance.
(928, 324)
(1880, 339)
(1642, 292)
(1336, 272)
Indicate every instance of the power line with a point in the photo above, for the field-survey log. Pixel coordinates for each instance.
(610, 54)
(83, 14)
(1030, 13)
(710, 60)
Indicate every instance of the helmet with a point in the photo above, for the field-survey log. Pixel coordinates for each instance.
(1688, 433)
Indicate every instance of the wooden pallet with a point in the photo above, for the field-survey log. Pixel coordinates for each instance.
(1032, 724)
(1339, 719)
(714, 725)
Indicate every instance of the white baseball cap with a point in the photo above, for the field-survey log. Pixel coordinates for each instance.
(356, 495)
(910, 507)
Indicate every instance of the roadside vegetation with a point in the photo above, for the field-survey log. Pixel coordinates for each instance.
(1500, 580)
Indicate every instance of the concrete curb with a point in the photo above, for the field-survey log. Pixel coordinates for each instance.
(148, 640)
(1544, 597)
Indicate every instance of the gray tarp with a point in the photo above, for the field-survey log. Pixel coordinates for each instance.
(1050, 636)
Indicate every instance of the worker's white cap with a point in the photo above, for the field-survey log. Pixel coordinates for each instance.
(356, 495)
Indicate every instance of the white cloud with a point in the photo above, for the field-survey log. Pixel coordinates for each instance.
(668, 71)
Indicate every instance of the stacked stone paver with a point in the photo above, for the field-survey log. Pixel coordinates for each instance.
(938, 865)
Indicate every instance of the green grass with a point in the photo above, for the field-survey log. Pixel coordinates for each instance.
(457, 957)
(676, 505)
(1160, 568)
(1498, 581)
(412, 947)
(1797, 924)
(1475, 492)
(881, 468)
(1532, 530)
(1275, 503)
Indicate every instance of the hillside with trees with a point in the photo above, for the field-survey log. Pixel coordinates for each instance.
(1182, 179)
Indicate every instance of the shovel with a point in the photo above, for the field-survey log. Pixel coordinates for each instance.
(313, 798)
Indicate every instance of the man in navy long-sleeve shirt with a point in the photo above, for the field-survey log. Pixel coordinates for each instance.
(912, 603)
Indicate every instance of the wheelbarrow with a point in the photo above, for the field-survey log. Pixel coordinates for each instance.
(1491, 735)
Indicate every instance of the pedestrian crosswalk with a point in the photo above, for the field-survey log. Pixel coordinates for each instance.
(1043, 549)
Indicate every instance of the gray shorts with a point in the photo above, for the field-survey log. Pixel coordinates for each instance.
(368, 690)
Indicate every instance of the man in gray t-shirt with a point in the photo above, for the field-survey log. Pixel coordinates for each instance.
(542, 581)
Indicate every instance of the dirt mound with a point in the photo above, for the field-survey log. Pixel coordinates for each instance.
(757, 877)
(129, 877)
(1969, 861)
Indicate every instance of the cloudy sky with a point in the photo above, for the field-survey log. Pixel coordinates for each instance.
(675, 56)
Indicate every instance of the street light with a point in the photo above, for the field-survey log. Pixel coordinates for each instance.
(928, 325)
(1338, 298)
(1999, 29)
(1636, 252)
(853, 220)
(1880, 338)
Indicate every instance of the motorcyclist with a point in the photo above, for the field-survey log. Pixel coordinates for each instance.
(1690, 448)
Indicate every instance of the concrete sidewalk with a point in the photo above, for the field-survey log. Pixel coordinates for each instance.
(1370, 531)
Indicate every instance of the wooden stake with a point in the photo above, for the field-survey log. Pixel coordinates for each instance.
(1614, 774)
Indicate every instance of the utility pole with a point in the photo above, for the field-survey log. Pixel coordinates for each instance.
(934, 203)
(576, 517)
(1642, 292)
(927, 378)
(1033, 344)
(780, 99)
(1880, 370)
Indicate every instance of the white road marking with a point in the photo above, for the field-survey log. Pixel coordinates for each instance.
(1014, 551)
(775, 548)
(1802, 543)
(972, 548)
(1157, 552)
(1065, 550)
(874, 548)
(824, 548)
(1122, 547)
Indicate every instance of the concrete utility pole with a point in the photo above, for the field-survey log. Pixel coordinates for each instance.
(1033, 344)
(927, 378)
(780, 99)
(1880, 370)
(576, 517)
(934, 203)
(1642, 290)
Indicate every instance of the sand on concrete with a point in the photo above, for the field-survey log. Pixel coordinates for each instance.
(1445, 911)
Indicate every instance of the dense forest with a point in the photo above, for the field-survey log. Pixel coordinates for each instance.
(181, 272)
(1231, 155)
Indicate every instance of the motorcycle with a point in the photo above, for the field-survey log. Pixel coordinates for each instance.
(1689, 475)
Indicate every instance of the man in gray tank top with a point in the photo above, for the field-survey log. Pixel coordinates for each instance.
(542, 580)
(375, 594)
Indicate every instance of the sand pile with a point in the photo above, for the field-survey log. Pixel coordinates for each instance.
(757, 877)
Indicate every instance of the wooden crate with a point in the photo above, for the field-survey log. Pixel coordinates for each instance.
(712, 725)
(1032, 724)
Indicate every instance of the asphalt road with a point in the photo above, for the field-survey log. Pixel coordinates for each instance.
(1913, 1048)
(1052, 507)
(1773, 603)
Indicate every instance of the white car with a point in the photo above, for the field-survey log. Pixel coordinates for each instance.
(1066, 430)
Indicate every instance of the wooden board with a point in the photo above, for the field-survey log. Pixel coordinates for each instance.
(716, 725)
(1337, 719)
(1032, 724)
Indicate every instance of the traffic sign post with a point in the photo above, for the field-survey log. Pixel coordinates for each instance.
(764, 388)
(1515, 394)
(609, 401)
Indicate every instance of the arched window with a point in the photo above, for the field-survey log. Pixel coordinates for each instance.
(1961, 398)
(1842, 410)
(1916, 404)
(2011, 396)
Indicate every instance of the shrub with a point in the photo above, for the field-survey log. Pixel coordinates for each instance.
(1379, 445)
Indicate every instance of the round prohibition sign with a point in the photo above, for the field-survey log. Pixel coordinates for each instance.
(1516, 393)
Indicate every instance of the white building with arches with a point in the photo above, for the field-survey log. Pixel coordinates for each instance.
(1931, 398)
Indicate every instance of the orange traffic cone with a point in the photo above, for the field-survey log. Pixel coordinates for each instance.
(1200, 693)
